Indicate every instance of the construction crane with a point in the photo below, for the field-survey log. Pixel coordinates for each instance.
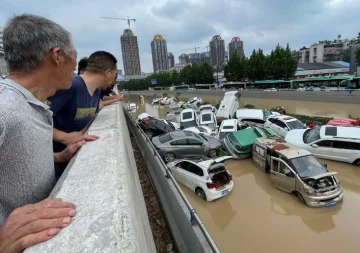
(207, 48)
(119, 18)
(131, 52)
(191, 49)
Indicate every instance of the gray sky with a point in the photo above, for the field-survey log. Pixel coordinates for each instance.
(189, 23)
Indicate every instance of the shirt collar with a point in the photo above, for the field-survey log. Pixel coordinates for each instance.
(26, 93)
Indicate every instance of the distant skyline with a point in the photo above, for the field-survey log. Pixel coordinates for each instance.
(186, 24)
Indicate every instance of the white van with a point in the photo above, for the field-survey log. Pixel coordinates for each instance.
(188, 118)
(228, 106)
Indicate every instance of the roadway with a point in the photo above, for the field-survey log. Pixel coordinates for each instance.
(318, 96)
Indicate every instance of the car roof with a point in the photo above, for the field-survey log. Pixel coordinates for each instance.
(231, 93)
(246, 136)
(285, 118)
(250, 113)
(229, 122)
(346, 132)
(284, 148)
(181, 134)
(188, 110)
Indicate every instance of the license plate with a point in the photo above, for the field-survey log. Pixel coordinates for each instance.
(224, 192)
(330, 204)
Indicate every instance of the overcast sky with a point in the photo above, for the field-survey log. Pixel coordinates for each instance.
(189, 23)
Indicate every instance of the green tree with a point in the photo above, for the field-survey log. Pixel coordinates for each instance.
(290, 63)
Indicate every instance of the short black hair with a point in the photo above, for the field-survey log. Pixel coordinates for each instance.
(82, 64)
(101, 61)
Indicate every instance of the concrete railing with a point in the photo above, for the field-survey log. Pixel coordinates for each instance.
(102, 180)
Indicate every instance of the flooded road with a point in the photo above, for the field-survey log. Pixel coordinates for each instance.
(256, 217)
(339, 110)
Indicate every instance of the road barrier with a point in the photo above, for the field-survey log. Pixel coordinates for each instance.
(188, 231)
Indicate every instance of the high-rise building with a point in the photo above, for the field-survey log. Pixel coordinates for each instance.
(205, 57)
(159, 53)
(183, 59)
(217, 52)
(3, 67)
(194, 58)
(171, 60)
(236, 45)
(130, 53)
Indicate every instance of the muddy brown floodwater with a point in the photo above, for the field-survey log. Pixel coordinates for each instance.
(256, 217)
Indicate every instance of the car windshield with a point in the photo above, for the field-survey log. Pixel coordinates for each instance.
(206, 117)
(222, 135)
(311, 135)
(233, 141)
(265, 131)
(296, 124)
(165, 138)
(228, 127)
(266, 114)
(308, 166)
(187, 115)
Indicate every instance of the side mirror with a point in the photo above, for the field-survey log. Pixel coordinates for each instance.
(288, 173)
(314, 145)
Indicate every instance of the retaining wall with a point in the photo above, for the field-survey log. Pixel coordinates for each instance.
(102, 181)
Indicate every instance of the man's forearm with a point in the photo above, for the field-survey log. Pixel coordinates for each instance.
(110, 101)
(59, 157)
(59, 136)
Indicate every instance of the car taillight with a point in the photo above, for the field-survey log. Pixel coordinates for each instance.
(146, 122)
(210, 185)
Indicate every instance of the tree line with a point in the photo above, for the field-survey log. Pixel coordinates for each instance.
(191, 74)
(279, 64)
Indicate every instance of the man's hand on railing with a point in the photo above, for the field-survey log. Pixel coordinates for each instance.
(72, 148)
(35, 223)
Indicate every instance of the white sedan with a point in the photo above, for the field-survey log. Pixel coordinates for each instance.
(283, 124)
(206, 177)
(201, 130)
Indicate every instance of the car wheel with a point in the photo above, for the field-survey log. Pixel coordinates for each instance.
(357, 162)
(169, 157)
(149, 134)
(212, 153)
(200, 193)
(302, 200)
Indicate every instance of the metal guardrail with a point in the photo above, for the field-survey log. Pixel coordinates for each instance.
(183, 232)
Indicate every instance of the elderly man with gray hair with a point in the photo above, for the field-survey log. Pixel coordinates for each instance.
(41, 58)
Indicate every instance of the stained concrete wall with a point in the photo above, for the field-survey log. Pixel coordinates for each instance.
(102, 181)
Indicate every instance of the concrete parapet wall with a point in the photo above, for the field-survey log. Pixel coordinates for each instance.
(102, 181)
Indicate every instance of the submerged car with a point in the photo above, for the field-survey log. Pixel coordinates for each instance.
(201, 130)
(188, 118)
(206, 177)
(296, 170)
(283, 124)
(153, 127)
(228, 126)
(183, 144)
(239, 144)
(208, 119)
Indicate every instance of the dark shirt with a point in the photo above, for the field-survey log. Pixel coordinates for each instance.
(73, 109)
(107, 92)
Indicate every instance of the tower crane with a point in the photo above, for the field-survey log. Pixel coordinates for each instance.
(207, 48)
(191, 49)
(131, 53)
(120, 18)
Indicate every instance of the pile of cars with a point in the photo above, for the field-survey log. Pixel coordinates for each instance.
(197, 148)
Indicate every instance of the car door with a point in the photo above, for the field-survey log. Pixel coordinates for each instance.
(197, 147)
(280, 180)
(180, 147)
(180, 171)
(342, 151)
(322, 149)
(279, 127)
(193, 176)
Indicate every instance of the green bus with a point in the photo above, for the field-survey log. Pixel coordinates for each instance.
(180, 87)
(323, 83)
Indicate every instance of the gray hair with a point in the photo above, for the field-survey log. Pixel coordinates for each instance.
(28, 39)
